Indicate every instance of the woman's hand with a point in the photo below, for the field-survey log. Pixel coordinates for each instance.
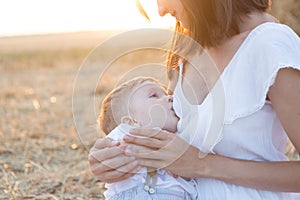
(108, 162)
(169, 151)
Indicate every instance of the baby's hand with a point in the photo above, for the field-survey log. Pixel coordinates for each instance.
(172, 174)
(176, 176)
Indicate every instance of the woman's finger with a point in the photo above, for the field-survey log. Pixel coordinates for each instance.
(117, 162)
(151, 133)
(104, 174)
(170, 151)
(147, 142)
(143, 152)
(102, 143)
(131, 167)
(155, 154)
(98, 155)
(157, 164)
(156, 139)
(122, 176)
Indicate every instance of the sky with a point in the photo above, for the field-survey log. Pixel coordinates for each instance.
(19, 17)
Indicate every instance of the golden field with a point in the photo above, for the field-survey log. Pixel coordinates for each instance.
(50, 91)
(44, 139)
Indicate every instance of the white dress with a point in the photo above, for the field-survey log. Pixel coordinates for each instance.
(250, 128)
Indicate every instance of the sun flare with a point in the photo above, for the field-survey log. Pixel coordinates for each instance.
(47, 16)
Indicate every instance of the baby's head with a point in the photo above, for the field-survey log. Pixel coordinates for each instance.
(141, 101)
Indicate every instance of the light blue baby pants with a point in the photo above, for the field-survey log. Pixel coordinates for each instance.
(138, 193)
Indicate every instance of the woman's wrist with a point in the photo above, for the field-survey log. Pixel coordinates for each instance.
(219, 167)
(200, 163)
(204, 166)
(211, 166)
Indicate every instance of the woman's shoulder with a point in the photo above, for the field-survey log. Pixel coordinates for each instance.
(274, 26)
(271, 40)
(269, 47)
(272, 32)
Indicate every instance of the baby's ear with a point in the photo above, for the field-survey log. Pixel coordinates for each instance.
(127, 120)
(130, 121)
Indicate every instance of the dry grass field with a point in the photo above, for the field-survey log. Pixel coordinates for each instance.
(43, 151)
(40, 154)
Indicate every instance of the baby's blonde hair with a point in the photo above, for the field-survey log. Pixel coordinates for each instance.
(115, 104)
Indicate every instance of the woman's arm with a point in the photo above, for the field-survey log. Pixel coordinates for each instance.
(275, 176)
(285, 98)
(173, 152)
(108, 162)
(179, 158)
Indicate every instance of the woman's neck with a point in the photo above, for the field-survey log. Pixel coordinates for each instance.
(223, 53)
(252, 20)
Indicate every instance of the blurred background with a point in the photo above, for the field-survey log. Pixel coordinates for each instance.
(46, 49)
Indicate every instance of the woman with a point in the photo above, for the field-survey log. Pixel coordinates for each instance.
(259, 62)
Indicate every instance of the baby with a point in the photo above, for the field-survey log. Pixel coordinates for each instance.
(142, 102)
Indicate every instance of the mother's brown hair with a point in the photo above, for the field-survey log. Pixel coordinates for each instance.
(209, 22)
